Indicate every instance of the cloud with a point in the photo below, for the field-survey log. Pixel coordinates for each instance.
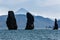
(3, 11)
(12, 2)
(46, 8)
(47, 2)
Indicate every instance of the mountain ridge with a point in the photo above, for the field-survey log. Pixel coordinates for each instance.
(40, 22)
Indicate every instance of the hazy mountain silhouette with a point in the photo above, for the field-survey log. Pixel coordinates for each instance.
(59, 23)
(39, 21)
(21, 11)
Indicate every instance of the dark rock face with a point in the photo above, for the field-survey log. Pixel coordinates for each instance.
(30, 22)
(55, 25)
(11, 21)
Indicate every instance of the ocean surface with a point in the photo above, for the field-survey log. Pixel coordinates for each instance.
(41, 34)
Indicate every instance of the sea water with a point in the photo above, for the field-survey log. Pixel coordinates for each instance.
(41, 34)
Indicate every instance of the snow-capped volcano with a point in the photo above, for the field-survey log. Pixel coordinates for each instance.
(21, 11)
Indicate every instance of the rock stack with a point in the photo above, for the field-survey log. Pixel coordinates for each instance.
(30, 22)
(55, 25)
(11, 21)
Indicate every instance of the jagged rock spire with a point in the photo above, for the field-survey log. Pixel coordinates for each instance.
(55, 25)
(11, 21)
(30, 21)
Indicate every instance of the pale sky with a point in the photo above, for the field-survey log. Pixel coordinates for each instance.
(45, 8)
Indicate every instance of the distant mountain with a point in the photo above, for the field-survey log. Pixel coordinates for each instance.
(59, 23)
(21, 11)
(40, 22)
(3, 22)
(43, 22)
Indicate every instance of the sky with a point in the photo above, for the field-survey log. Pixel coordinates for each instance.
(45, 8)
